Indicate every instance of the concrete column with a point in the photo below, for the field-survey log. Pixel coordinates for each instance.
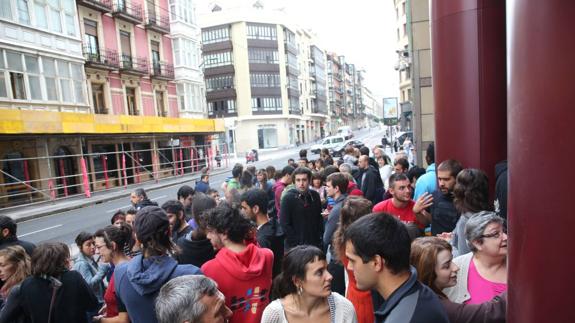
(541, 141)
(468, 57)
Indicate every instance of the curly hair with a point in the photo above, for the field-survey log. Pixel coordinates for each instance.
(228, 220)
(20, 261)
(471, 191)
(50, 259)
(353, 208)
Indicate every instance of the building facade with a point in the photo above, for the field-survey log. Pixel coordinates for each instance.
(88, 100)
(186, 38)
(261, 74)
(414, 66)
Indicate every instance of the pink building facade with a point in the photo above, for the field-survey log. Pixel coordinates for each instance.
(129, 59)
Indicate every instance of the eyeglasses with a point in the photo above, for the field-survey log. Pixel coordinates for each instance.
(494, 235)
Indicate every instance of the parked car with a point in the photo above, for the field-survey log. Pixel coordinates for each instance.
(339, 150)
(400, 137)
(345, 131)
(328, 142)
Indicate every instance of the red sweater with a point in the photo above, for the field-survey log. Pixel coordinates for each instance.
(245, 279)
(405, 215)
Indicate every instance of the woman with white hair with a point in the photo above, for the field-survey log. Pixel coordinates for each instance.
(483, 271)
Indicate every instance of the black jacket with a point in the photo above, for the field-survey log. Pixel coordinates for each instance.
(444, 216)
(13, 241)
(32, 300)
(301, 218)
(194, 252)
(270, 235)
(144, 203)
(412, 302)
(371, 185)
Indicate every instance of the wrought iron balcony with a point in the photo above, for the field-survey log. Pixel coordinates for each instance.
(128, 11)
(158, 23)
(101, 58)
(162, 71)
(98, 5)
(134, 65)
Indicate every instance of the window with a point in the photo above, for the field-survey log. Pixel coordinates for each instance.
(6, 9)
(23, 13)
(404, 29)
(218, 59)
(131, 101)
(155, 47)
(65, 83)
(185, 52)
(258, 31)
(289, 37)
(160, 106)
(17, 83)
(3, 92)
(50, 78)
(219, 83)
(78, 77)
(70, 25)
(33, 71)
(265, 80)
(266, 104)
(403, 8)
(125, 43)
(216, 35)
(40, 14)
(263, 56)
(55, 18)
(173, 12)
(91, 39)
(98, 102)
(219, 108)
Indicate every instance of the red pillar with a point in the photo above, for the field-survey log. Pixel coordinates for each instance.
(541, 156)
(469, 82)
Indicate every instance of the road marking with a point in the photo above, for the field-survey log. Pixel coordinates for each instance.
(45, 229)
(129, 206)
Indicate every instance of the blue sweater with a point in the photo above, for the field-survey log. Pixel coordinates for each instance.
(138, 282)
(426, 182)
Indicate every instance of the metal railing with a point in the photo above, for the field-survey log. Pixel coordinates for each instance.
(128, 10)
(158, 22)
(103, 5)
(162, 70)
(81, 174)
(134, 63)
(107, 57)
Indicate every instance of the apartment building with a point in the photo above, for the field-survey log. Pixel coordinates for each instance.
(261, 73)
(88, 100)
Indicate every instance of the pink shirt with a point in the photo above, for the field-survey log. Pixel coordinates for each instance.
(481, 289)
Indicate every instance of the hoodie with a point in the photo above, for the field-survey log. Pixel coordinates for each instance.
(195, 252)
(139, 281)
(245, 279)
(301, 218)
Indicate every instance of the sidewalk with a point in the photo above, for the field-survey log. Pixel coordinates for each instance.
(29, 212)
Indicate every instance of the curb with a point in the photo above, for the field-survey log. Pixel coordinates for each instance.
(103, 199)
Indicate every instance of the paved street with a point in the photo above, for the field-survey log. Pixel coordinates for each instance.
(65, 226)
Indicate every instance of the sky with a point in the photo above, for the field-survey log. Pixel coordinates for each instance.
(364, 31)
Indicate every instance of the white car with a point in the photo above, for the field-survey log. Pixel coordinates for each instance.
(329, 142)
(346, 132)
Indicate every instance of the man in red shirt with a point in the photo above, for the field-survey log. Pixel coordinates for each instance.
(402, 206)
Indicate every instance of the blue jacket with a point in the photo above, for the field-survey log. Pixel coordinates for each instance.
(202, 186)
(93, 274)
(412, 302)
(333, 220)
(138, 282)
(426, 182)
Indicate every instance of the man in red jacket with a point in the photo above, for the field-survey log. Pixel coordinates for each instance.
(243, 271)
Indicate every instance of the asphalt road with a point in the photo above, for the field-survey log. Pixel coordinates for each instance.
(65, 226)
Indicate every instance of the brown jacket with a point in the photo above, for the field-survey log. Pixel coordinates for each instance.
(488, 312)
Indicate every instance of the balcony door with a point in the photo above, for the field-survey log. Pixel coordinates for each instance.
(92, 48)
(156, 57)
(126, 49)
(131, 101)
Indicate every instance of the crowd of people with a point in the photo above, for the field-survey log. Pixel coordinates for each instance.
(355, 239)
